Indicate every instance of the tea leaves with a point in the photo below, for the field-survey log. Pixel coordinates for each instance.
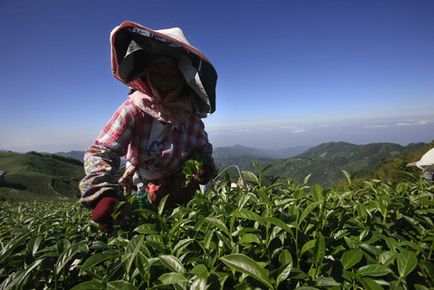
(265, 234)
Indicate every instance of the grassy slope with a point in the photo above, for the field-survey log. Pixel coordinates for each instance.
(40, 171)
(8, 193)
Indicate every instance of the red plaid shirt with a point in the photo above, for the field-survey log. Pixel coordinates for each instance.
(127, 133)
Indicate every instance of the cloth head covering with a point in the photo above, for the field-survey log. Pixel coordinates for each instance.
(425, 162)
(173, 107)
(133, 46)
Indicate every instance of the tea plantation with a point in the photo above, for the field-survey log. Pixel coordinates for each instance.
(264, 235)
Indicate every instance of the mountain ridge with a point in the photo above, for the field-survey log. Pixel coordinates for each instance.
(326, 161)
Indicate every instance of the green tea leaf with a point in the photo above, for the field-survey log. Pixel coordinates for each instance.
(326, 282)
(200, 270)
(362, 211)
(306, 179)
(201, 277)
(132, 250)
(198, 283)
(36, 245)
(96, 259)
(69, 253)
(319, 249)
(347, 177)
(11, 245)
(250, 176)
(246, 265)
(387, 257)
(307, 246)
(124, 285)
(172, 278)
(373, 270)
(370, 284)
(181, 245)
(318, 193)
(89, 285)
(406, 261)
(208, 239)
(249, 239)
(218, 223)
(146, 229)
(284, 274)
(162, 205)
(420, 287)
(285, 257)
(172, 263)
(247, 214)
(278, 222)
(21, 276)
(351, 258)
(307, 211)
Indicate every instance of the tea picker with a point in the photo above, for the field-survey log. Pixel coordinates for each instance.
(158, 128)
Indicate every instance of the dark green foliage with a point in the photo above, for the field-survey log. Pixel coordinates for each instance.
(266, 235)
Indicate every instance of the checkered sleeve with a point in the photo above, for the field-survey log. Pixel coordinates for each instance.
(102, 160)
(203, 150)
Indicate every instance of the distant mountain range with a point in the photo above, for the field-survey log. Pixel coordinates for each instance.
(324, 162)
(239, 155)
(239, 150)
(244, 156)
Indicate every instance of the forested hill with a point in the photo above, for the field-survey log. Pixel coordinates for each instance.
(326, 161)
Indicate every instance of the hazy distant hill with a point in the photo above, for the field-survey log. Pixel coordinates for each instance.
(326, 161)
(239, 150)
(244, 156)
(52, 174)
(78, 155)
(240, 155)
(46, 175)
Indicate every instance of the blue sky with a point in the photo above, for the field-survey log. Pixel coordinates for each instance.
(290, 72)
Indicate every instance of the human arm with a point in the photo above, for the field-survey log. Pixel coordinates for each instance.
(102, 159)
(208, 169)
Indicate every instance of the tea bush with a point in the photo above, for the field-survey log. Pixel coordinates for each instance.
(265, 235)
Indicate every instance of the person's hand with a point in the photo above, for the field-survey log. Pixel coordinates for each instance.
(127, 179)
(203, 176)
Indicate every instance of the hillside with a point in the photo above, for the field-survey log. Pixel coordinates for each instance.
(244, 156)
(45, 175)
(50, 173)
(326, 161)
(394, 169)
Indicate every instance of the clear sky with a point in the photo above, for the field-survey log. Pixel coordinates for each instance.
(290, 72)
